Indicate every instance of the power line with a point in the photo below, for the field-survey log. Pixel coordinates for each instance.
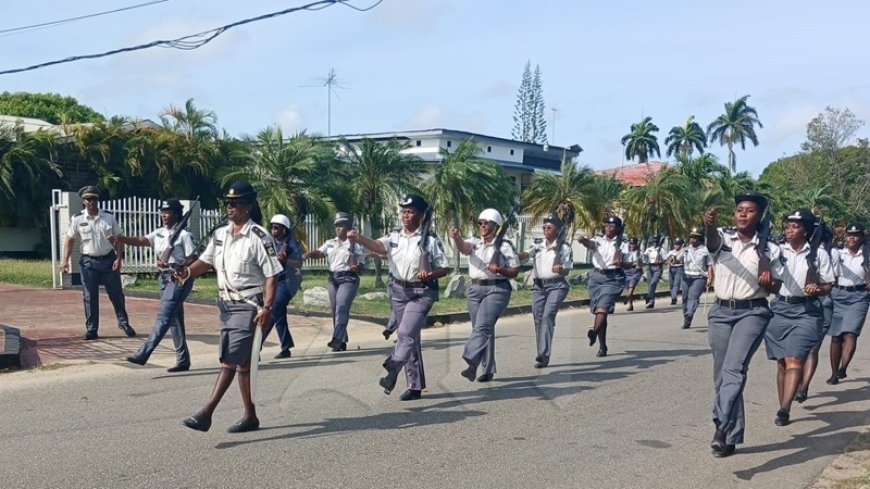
(194, 41)
(22, 29)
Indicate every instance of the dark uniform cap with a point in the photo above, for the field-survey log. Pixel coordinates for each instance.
(415, 201)
(803, 216)
(656, 239)
(172, 205)
(855, 228)
(343, 218)
(679, 241)
(89, 191)
(554, 220)
(633, 241)
(696, 232)
(752, 196)
(242, 191)
(613, 220)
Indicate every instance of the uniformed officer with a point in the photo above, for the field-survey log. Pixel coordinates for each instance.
(100, 261)
(740, 314)
(851, 301)
(675, 259)
(173, 247)
(551, 262)
(243, 255)
(796, 326)
(633, 267)
(345, 262)
(489, 292)
(290, 255)
(417, 261)
(607, 280)
(827, 316)
(654, 257)
(697, 275)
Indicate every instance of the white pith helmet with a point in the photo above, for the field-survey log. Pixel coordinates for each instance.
(281, 219)
(491, 215)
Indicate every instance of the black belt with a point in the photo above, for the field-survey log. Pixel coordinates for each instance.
(540, 282)
(609, 271)
(852, 288)
(795, 299)
(100, 257)
(343, 274)
(676, 266)
(691, 275)
(745, 304)
(480, 281)
(412, 285)
(655, 264)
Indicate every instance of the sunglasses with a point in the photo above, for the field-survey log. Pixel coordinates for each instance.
(89, 199)
(234, 203)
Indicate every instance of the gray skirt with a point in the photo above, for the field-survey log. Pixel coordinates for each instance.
(237, 331)
(604, 290)
(794, 330)
(850, 311)
(632, 277)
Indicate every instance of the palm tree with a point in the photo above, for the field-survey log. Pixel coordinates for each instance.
(27, 173)
(641, 142)
(736, 125)
(379, 174)
(683, 140)
(462, 185)
(190, 122)
(664, 204)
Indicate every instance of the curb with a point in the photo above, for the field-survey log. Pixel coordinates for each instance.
(10, 346)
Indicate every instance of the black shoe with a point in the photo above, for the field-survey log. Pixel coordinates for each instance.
(592, 335)
(90, 336)
(411, 395)
(630, 308)
(602, 352)
(242, 426)
(800, 396)
(834, 380)
(687, 323)
(178, 368)
(197, 423)
(283, 354)
(339, 346)
(841, 374)
(387, 333)
(469, 373)
(650, 305)
(718, 444)
(128, 330)
(782, 417)
(484, 378)
(726, 451)
(388, 382)
(135, 359)
(542, 362)
(673, 302)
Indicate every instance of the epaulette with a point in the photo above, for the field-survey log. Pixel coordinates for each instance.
(539, 240)
(79, 213)
(107, 212)
(266, 239)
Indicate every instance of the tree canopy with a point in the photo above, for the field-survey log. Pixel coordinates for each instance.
(49, 107)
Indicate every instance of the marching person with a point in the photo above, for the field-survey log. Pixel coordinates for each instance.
(243, 255)
(796, 326)
(170, 314)
(551, 262)
(827, 316)
(697, 275)
(851, 301)
(289, 254)
(489, 292)
(633, 267)
(607, 280)
(740, 314)
(675, 260)
(416, 261)
(100, 261)
(654, 258)
(345, 262)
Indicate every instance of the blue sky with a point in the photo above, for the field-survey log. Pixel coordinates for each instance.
(415, 64)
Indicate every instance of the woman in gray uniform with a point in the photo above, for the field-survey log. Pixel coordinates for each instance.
(698, 275)
(345, 262)
(550, 264)
(606, 281)
(633, 266)
(827, 315)
(740, 314)
(850, 301)
(489, 292)
(796, 325)
(244, 257)
(417, 261)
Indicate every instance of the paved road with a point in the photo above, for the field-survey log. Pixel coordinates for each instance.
(638, 418)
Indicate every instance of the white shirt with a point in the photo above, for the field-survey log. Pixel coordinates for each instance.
(242, 261)
(696, 260)
(630, 257)
(848, 268)
(183, 248)
(675, 257)
(605, 250)
(653, 255)
(403, 253)
(481, 255)
(338, 254)
(94, 232)
(795, 266)
(543, 255)
(736, 267)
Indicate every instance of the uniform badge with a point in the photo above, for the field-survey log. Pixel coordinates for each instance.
(783, 259)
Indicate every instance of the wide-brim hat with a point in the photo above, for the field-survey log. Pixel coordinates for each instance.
(242, 191)
(752, 196)
(89, 192)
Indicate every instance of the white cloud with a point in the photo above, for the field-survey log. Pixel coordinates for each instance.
(290, 119)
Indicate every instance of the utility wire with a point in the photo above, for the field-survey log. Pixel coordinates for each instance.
(194, 41)
(19, 30)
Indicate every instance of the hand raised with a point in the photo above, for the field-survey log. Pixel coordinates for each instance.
(710, 217)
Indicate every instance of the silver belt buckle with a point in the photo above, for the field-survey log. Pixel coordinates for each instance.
(732, 304)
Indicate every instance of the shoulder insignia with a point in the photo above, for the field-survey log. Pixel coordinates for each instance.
(539, 240)
(83, 224)
(106, 212)
(258, 231)
(159, 235)
(80, 213)
(726, 248)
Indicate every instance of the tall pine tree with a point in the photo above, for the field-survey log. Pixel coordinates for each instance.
(530, 123)
(539, 120)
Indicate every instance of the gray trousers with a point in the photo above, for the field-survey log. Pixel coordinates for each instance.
(392, 324)
(676, 277)
(411, 307)
(170, 317)
(96, 272)
(342, 291)
(654, 274)
(485, 304)
(693, 287)
(545, 305)
(734, 336)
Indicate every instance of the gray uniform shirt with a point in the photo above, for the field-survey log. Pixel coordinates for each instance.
(242, 261)
(183, 247)
(543, 255)
(403, 253)
(94, 232)
(338, 254)
(481, 255)
(848, 268)
(696, 260)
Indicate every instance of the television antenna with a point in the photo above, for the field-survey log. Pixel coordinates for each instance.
(331, 82)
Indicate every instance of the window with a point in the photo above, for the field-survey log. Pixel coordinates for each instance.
(512, 152)
(419, 143)
(449, 143)
(489, 149)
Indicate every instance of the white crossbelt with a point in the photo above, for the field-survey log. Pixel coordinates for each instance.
(241, 295)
